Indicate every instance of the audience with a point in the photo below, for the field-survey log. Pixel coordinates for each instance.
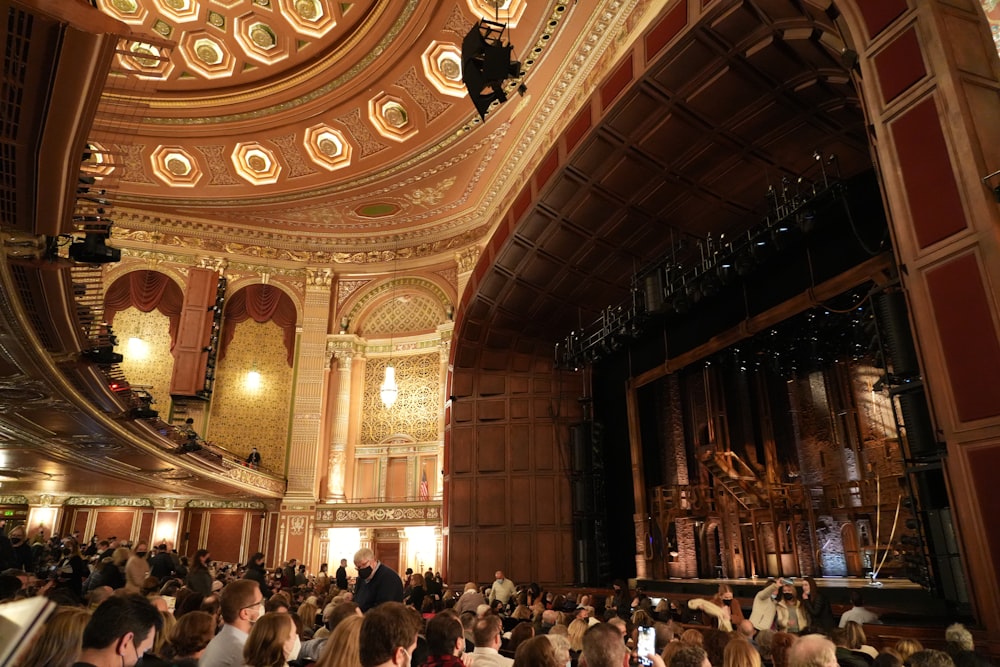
(120, 631)
(242, 606)
(273, 641)
(189, 638)
(342, 648)
(812, 651)
(59, 642)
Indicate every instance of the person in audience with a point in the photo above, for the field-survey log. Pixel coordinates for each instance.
(273, 642)
(71, 570)
(960, 645)
(242, 605)
(388, 636)
(199, 579)
(521, 633)
(313, 649)
(417, 591)
(857, 641)
(907, 647)
(689, 656)
(161, 565)
(813, 651)
(341, 575)
(887, 658)
(307, 614)
(740, 653)
(575, 632)
(857, 612)
(189, 638)
(470, 600)
(765, 605)
(930, 658)
(778, 645)
(503, 589)
(486, 633)
(817, 605)
(721, 610)
(111, 572)
(747, 631)
(60, 640)
(119, 632)
(536, 652)
(560, 644)
(255, 571)
(664, 634)
(790, 613)
(137, 568)
(377, 582)
(445, 641)
(342, 647)
(846, 655)
(715, 645)
(164, 632)
(603, 647)
(693, 637)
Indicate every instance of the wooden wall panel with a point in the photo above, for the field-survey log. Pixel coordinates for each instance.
(521, 501)
(491, 449)
(495, 554)
(461, 503)
(146, 526)
(115, 522)
(491, 502)
(520, 447)
(191, 538)
(224, 534)
(194, 332)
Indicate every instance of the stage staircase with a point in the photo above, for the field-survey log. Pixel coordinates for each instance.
(736, 477)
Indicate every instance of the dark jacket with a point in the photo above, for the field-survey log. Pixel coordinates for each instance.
(342, 578)
(161, 566)
(257, 573)
(820, 614)
(383, 586)
(200, 580)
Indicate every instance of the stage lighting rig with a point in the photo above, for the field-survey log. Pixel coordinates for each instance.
(487, 64)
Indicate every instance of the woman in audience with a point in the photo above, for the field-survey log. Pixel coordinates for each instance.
(71, 570)
(576, 630)
(693, 637)
(740, 653)
(537, 652)
(307, 614)
(164, 633)
(112, 572)
(856, 640)
(58, 644)
(417, 591)
(341, 649)
(273, 641)
(199, 579)
(817, 605)
(188, 639)
(790, 613)
(779, 644)
(521, 633)
(906, 647)
(715, 645)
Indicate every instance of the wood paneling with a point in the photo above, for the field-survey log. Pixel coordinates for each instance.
(395, 479)
(193, 333)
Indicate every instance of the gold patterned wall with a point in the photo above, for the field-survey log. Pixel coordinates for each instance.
(241, 417)
(407, 312)
(144, 342)
(417, 407)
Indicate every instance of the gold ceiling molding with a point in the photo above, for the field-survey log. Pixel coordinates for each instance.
(269, 91)
(345, 288)
(106, 501)
(226, 504)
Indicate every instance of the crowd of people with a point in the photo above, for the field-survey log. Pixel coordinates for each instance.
(128, 605)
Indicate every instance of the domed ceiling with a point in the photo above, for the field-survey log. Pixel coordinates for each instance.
(334, 131)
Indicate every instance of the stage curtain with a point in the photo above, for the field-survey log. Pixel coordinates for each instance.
(262, 303)
(145, 290)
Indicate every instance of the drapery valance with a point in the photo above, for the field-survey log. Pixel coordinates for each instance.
(262, 303)
(145, 290)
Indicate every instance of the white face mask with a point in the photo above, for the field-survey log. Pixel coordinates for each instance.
(295, 650)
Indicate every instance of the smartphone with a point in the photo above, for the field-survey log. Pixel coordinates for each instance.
(646, 645)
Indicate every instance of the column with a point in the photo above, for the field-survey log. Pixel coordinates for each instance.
(446, 331)
(466, 260)
(342, 352)
(307, 407)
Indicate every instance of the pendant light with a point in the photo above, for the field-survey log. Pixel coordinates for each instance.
(389, 390)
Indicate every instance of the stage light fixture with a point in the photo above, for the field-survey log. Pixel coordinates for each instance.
(487, 63)
(94, 250)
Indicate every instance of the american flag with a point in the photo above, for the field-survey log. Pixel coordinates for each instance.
(425, 492)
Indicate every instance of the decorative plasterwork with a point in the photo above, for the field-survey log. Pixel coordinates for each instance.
(13, 500)
(501, 11)
(127, 11)
(181, 11)
(107, 501)
(260, 40)
(309, 17)
(390, 117)
(442, 64)
(175, 166)
(327, 147)
(379, 514)
(100, 161)
(255, 163)
(146, 60)
(206, 54)
(226, 504)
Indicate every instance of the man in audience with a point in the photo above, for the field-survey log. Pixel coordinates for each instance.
(502, 588)
(812, 651)
(377, 582)
(546, 621)
(119, 632)
(470, 599)
(388, 636)
(313, 648)
(342, 575)
(161, 565)
(242, 605)
(857, 612)
(486, 633)
(930, 658)
(692, 656)
(445, 641)
(603, 647)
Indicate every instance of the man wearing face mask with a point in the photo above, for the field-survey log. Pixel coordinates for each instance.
(119, 632)
(377, 583)
(137, 568)
(389, 636)
(502, 589)
(242, 604)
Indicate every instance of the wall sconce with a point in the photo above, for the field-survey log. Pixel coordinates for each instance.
(253, 380)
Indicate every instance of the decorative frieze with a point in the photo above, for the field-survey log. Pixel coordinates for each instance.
(107, 501)
(226, 504)
(379, 514)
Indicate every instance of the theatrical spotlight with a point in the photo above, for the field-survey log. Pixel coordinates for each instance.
(487, 63)
(92, 249)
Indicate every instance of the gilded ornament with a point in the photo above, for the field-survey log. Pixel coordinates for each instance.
(178, 167)
(329, 148)
(125, 6)
(176, 4)
(257, 163)
(162, 28)
(307, 9)
(450, 68)
(263, 36)
(140, 50)
(208, 54)
(216, 19)
(395, 116)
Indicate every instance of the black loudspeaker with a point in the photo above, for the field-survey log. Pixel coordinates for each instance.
(652, 292)
(894, 328)
(916, 415)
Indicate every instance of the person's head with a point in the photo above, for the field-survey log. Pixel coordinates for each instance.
(60, 640)
(603, 647)
(141, 549)
(272, 641)
(123, 625)
(343, 562)
(445, 635)
(887, 658)
(809, 586)
(715, 644)
(745, 628)
(486, 631)
(740, 653)
(930, 658)
(257, 560)
(16, 536)
(364, 562)
(388, 635)
(693, 637)
(620, 625)
(779, 644)
(417, 580)
(577, 628)
(855, 635)
(343, 646)
(689, 656)
(242, 604)
(70, 547)
(857, 599)
(522, 632)
(906, 647)
(958, 638)
(201, 559)
(343, 610)
(812, 651)
(537, 652)
(789, 593)
(498, 575)
(191, 634)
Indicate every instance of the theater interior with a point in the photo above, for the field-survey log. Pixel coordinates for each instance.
(675, 291)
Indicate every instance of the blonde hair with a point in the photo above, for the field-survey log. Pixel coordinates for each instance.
(740, 653)
(164, 634)
(59, 643)
(342, 648)
(307, 614)
(907, 647)
(576, 631)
